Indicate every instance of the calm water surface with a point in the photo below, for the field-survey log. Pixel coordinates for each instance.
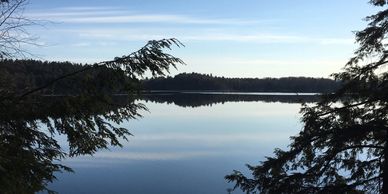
(177, 149)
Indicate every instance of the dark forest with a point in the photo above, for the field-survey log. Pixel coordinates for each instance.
(196, 81)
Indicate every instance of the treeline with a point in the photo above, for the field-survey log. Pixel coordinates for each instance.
(24, 75)
(196, 81)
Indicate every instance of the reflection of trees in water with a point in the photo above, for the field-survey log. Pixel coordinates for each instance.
(29, 155)
(208, 99)
(343, 144)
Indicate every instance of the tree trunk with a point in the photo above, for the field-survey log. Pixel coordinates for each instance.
(385, 167)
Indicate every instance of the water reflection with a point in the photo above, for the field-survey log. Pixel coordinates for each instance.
(178, 149)
(196, 99)
(30, 154)
(173, 145)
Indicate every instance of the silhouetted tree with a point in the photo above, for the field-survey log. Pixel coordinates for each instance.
(29, 152)
(29, 122)
(343, 146)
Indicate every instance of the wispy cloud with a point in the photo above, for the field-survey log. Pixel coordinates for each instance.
(93, 44)
(112, 15)
(88, 8)
(115, 15)
(81, 44)
(152, 18)
(199, 35)
(270, 38)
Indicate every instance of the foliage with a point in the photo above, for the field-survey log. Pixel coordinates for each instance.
(115, 76)
(133, 66)
(29, 151)
(196, 81)
(25, 75)
(29, 122)
(343, 146)
(149, 58)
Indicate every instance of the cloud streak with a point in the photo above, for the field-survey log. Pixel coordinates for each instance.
(110, 15)
(198, 35)
(114, 15)
(268, 38)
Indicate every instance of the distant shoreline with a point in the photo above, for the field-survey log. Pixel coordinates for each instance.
(220, 92)
(194, 82)
(204, 92)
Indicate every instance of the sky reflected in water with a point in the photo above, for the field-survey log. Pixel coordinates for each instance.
(184, 150)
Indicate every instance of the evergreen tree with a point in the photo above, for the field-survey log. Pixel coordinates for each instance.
(343, 146)
(30, 154)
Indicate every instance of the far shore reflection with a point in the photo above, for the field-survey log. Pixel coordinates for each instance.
(197, 99)
(190, 139)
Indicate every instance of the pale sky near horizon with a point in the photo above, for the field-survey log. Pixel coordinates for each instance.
(245, 38)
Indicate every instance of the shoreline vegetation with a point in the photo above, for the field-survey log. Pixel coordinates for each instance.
(22, 75)
(199, 99)
(208, 82)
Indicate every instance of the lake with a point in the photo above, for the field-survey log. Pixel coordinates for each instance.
(187, 143)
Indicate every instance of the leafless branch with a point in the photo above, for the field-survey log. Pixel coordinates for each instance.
(13, 33)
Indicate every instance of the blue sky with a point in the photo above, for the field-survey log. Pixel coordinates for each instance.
(246, 38)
